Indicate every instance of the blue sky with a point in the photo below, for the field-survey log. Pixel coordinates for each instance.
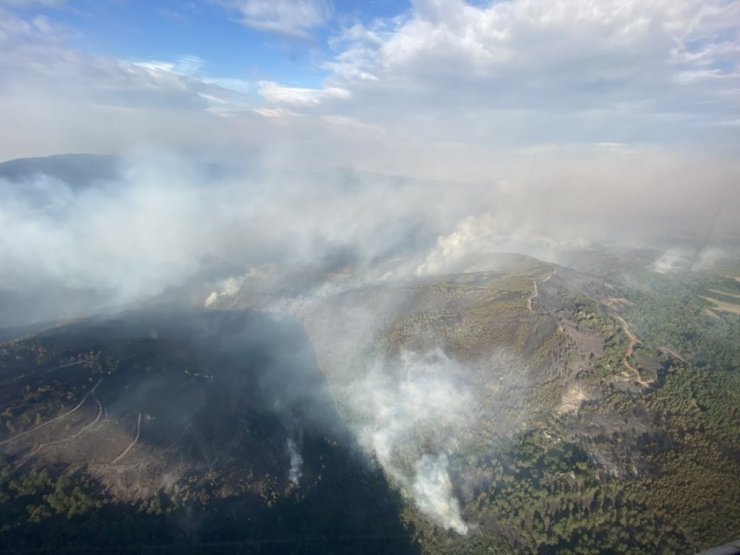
(212, 31)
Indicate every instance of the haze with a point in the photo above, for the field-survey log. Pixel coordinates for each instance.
(411, 139)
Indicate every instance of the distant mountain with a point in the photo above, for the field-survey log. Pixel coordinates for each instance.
(77, 170)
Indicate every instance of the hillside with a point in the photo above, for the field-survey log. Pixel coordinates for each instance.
(533, 407)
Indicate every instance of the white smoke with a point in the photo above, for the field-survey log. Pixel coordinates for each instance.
(411, 418)
(432, 489)
(295, 472)
(473, 238)
(708, 258)
(229, 287)
(672, 260)
(476, 240)
(678, 259)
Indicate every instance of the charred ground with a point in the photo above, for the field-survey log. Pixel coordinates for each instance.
(170, 432)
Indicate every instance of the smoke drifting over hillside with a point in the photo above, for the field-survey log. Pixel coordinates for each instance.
(166, 224)
(167, 229)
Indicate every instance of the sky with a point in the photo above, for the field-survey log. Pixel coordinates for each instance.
(448, 81)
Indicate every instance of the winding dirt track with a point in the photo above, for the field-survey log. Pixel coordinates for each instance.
(56, 418)
(630, 351)
(633, 341)
(133, 442)
(78, 433)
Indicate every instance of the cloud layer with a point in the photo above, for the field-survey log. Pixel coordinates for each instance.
(482, 77)
(290, 17)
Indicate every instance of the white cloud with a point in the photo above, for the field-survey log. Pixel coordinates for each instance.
(727, 123)
(446, 91)
(289, 17)
(298, 96)
(26, 3)
(545, 70)
(59, 99)
(276, 114)
(186, 65)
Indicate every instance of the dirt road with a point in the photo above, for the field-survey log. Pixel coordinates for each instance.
(133, 442)
(633, 341)
(55, 419)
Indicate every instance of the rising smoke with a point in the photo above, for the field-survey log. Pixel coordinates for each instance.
(432, 490)
(410, 417)
(295, 472)
(166, 224)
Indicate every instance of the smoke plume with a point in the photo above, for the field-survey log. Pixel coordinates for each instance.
(410, 417)
(295, 472)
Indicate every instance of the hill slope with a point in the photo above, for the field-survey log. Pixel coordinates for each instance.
(533, 408)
